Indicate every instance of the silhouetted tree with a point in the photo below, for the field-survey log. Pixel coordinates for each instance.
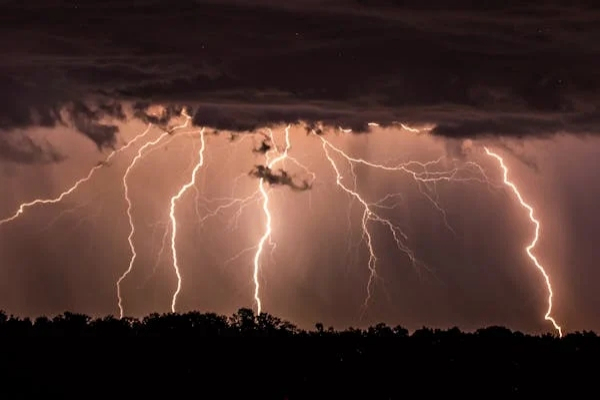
(71, 324)
(380, 330)
(244, 321)
(174, 352)
(400, 331)
(494, 332)
(43, 326)
(320, 328)
(110, 326)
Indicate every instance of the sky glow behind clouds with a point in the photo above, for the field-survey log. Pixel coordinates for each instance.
(518, 78)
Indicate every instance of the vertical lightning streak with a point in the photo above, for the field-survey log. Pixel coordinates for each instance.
(268, 229)
(366, 217)
(139, 155)
(76, 185)
(420, 174)
(534, 241)
(174, 200)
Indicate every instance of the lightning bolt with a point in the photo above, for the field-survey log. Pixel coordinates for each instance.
(242, 203)
(420, 173)
(408, 128)
(268, 218)
(531, 246)
(77, 184)
(139, 155)
(142, 151)
(368, 215)
(165, 223)
(174, 200)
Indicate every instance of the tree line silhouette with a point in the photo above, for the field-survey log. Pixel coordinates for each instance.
(193, 354)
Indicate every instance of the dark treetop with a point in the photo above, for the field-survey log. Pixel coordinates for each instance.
(182, 355)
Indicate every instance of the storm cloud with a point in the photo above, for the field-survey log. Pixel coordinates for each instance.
(499, 68)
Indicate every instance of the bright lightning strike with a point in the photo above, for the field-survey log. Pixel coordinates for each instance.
(420, 173)
(77, 184)
(531, 246)
(174, 200)
(139, 155)
(368, 215)
(265, 206)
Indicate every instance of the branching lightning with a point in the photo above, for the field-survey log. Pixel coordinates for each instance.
(139, 155)
(77, 184)
(426, 175)
(531, 246)
(422, 176)
(265, 206)
(174, 200)
(368, 215)
(274, 156)
(142, 151)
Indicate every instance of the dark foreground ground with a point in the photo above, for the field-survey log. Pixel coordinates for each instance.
(208, 356)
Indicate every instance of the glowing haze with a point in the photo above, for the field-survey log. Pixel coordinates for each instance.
(340, 161)
(417, 174)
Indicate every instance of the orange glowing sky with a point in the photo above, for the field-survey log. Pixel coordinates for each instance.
(518, 78)
(318, 269)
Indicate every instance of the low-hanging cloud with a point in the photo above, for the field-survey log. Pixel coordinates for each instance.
(22, 149)
(505, 69)
(280, 177)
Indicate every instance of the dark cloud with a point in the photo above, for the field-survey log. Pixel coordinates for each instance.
(516, 150)
(280, 177)
(142, 110)
(249, 117)
(87, 121)
(24, 150)
(495, 68)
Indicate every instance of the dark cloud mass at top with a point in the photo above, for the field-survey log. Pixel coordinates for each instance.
(506, 68)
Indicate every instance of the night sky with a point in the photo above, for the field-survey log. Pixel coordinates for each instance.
(79, 80)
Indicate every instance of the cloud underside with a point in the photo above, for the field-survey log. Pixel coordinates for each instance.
(510, 70)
